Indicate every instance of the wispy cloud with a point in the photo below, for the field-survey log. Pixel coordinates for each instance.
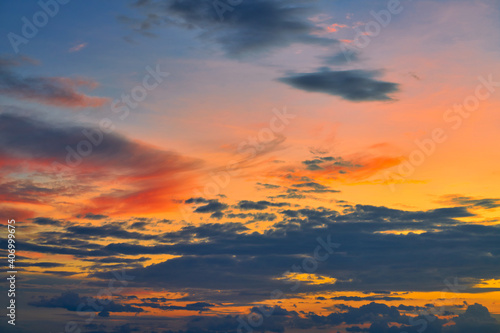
(78, 47)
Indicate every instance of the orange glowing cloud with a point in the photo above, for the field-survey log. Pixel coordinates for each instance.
(335, 27)
(8, 212)
(115, 175)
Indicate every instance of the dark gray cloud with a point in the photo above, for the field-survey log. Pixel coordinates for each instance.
(476, 318)
(80, 249)
(239, 259)
(352, 85)
(71, 301)
(313, 187)
(268, 186)
(254, 217)
(108, 260)
(138, 225)
(91, 216)
(262, 217)
(47, 90)
(46, 221)
(259, 205)
(289, 193)
(488, 203)
(42, 264)
(341, 58)
(322, 162)
(235, 259)
(245, 28)
(107, 230)
(60, 273)
(198, 306)
(196, 201)
(383, 319)
(243, 265)
(213, 206)
(209, 230)
(368, 298)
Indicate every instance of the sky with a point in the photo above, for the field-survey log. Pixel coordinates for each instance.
(216, 166)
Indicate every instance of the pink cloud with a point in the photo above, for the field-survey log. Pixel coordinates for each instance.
(78, 47)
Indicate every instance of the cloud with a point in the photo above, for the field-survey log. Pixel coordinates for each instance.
(246, 28)
(262, 217)
(354, 167)
(43, 264)
(234, 258)
(46, 221)
(108, 260)
(19, 60)
(196, 200)
(341, 58)
(211, 206)
(108, 230)
(476, 318)
(259, 205)
(368, 298)
(54, 91)
(198, 306)
(25, 191)
(7, 212)
(335, 27)
(147, 176)
(78, 47)
(278, 319)
(268, 186)
(60, 273)
(91, 216)
(320, 163)
(71, 301)
(352, 85)
(312, 187)
(138, 225)
(488, 203)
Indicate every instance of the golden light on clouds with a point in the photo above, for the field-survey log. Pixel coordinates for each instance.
(311, 279)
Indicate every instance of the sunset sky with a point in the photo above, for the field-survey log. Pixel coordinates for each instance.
(216, 166)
